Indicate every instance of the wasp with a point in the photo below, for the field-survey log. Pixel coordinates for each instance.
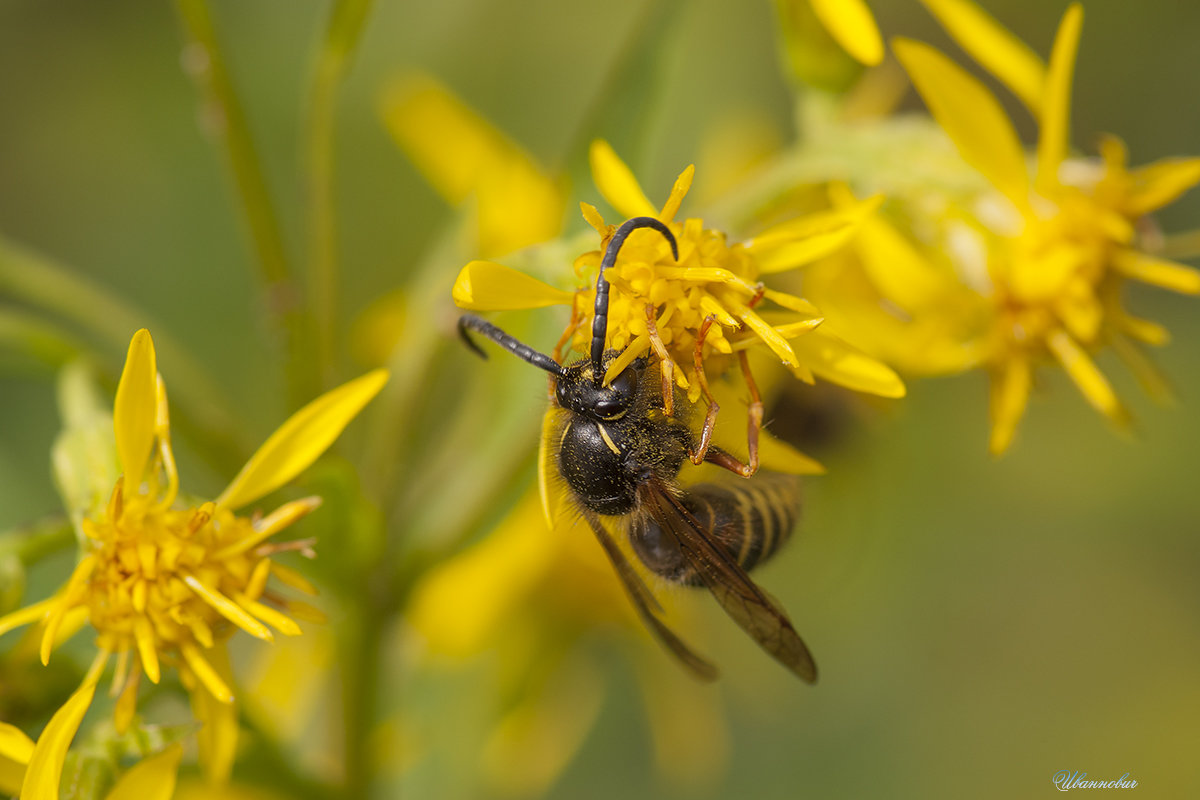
(619, 448)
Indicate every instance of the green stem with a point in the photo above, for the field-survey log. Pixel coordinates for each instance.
(345, 27)
(39, 339)
(624, 108)
(362, 633)
(207, 67)
(36, 281)
(272, 759)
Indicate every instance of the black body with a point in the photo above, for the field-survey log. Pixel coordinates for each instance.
(749, 520)
(617, 436)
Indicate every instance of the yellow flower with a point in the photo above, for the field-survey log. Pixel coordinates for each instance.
(166, 583)
(1051, 253)
(660, 302)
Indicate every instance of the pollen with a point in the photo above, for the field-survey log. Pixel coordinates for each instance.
(657, 301)
(163, 584)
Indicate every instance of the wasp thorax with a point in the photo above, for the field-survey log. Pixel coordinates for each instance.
(577, 391)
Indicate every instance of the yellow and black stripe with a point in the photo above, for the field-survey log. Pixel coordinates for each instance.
(749, 520)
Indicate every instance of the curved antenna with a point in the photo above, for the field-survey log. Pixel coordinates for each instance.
(509, 343)
(600, 314)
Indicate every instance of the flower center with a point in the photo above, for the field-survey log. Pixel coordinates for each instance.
(163, 573)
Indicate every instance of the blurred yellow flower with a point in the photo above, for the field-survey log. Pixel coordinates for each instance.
(465, 158)
(15, 751)
(161, 584)
(1051, 255)
(849, 22)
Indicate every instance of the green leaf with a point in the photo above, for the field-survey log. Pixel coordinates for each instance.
(84, 455)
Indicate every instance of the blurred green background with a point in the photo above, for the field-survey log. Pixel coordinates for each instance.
(980, 625)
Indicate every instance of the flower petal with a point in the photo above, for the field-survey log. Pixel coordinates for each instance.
(143, 637)
(994, 47)
(1090, 380)
(459, 606)
(593, 217)
(209, 679)
(487, 286)
(68, 599)
(276, 619)
(838, 362)
(1152, 380)
(152, 778)
(1157, 271)
(773, 339)
(44, 772)
(536, 740)
(897, 268)
(851, 24)
(12, 775)
(682, 184)
(24, 616)
(1009, 396)
(616, 182)
(462, 155)
(15, 751)
(301, 440)
(547, 469)
(446, 140)
(800, 241)
(135, 410)
(228, 609)
(1158, 184)
(1054, 137)
(217, 739)
(777, 455)
(805, 251)
(1142, 330)
(970, 116)
(14, 744)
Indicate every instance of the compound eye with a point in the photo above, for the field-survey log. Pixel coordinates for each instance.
(609, 408)
(624, 385)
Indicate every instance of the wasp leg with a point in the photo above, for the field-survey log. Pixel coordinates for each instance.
(710, 418)
(760, 290)
(665, 364)
(715, 455)
(754, 421)
(572, 326)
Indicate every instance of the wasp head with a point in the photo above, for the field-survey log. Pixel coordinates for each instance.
(579, 391)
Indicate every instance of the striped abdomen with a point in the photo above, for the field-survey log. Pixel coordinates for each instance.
(749, 520)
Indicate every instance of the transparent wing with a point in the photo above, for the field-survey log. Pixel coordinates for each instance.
(646, 606)
(749, 606)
